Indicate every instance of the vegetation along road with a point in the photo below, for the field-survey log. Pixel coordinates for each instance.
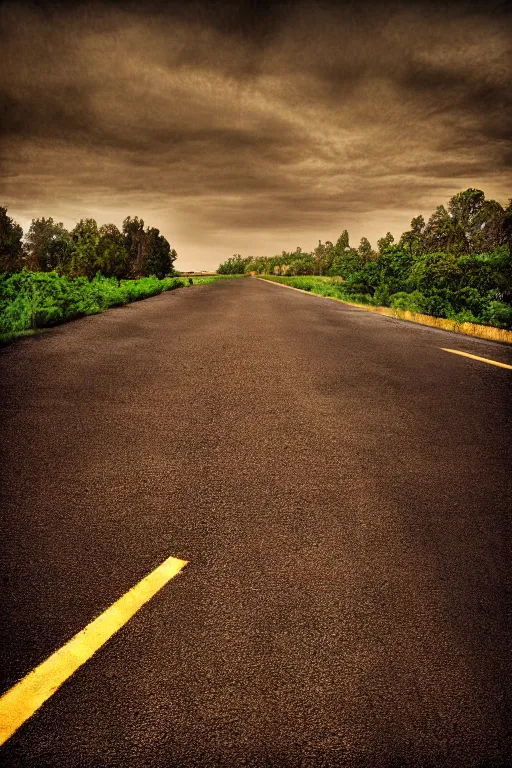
(333, 490)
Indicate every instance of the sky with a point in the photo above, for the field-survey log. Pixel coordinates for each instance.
(252, 127)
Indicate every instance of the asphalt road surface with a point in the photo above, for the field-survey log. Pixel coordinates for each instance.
(341, 489)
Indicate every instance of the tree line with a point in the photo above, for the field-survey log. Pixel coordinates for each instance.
(456, 264)
(132, 252)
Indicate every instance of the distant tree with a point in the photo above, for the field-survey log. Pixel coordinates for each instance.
(439, 270)
(507, 225)
(457, 265)
(158, 255)
(344, 258)
(342, 241)
(83, 259)
(236, 265)
(413, 239)
(304, 264)
(465, 209)
(11, 248)
(323, 256)
(136, 243)
(488, 228)
(365, 251)
(48, 245)
(439, 231)
(112, 257)
(384, 242)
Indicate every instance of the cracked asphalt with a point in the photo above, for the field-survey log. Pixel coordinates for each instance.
(341, 488)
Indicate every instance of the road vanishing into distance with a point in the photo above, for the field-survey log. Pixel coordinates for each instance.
(339, 486)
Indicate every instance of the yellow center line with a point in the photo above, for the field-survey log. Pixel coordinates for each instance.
(474, 357)
(23, 699)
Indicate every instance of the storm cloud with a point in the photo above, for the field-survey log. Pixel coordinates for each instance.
(249, 127)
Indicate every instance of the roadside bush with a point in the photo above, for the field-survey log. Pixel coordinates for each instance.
(464, 316)
(438, 305)
(381, 297)
(31, 300)
(360, 298)
(414, 302)
(498, 314)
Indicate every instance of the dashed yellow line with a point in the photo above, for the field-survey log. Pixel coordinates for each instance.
(25, 698)
(475, 357)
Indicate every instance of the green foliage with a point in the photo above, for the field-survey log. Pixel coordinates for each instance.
(324, 286)
(365, 251)
(457, 266)
(48, 246)
(30, 300)
(11, 249)
(302, 265)
(415, 301)
(83, 258)
(235, 265)
(466, 289)
(135, 243)
(113, 259)
(434, 269)
(439, 232)
(134, 252)
(208, 279)
(499, 314)
(158, 259)
(384, 242)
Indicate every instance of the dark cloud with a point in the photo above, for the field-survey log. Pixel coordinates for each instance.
(249, 126)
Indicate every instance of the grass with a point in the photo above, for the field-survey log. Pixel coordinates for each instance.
(209, 279)
(332, 288)
(30, 301)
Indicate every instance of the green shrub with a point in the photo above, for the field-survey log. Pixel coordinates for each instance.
(464, 316)
(31, 300)
(360, 298)
(414, 302)
(438, 305)
(499, 314)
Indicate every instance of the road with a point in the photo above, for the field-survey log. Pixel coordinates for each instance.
(340, 489)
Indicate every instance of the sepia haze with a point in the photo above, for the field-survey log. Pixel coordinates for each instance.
(252, 127)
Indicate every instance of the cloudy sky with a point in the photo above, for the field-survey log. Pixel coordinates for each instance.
(252, 127)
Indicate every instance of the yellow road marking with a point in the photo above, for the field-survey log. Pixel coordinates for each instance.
(474, 357)
(25, 698)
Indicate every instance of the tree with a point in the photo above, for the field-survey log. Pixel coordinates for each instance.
(323, 256)
(345, 262)
(48, 245)
(344, 258)
(11, 248)
(413, 239)
(83, 259)
(342, 242)
(236, 265)
(384, 242)
(158, 255)
(135, 242)
(112, 257)
(304, 264)
(488, 230)
(434, 272)
(439, 232)
(465, 209)
(365, 251)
